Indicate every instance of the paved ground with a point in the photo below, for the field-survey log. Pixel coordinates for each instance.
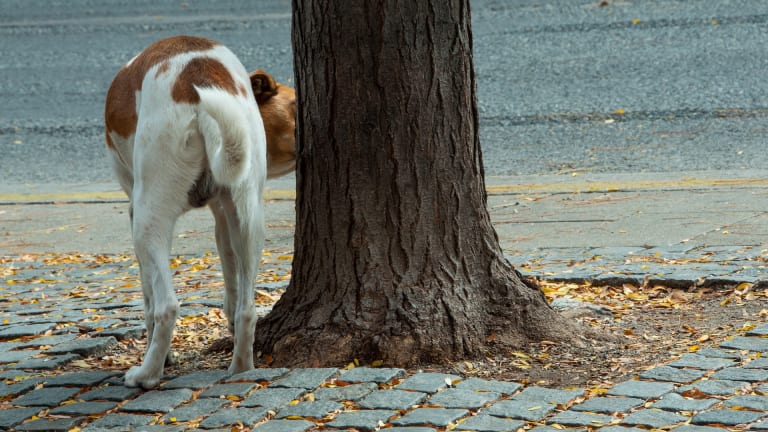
(599, 97)
(686, 230)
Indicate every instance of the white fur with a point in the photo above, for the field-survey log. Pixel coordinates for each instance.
(159, 164)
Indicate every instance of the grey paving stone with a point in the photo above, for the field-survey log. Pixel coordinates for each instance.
(428, 382)
(49, 397)
(352, 392)
(608, 405)
(316, 409)
(728, 417)
(240, 390)
(458, 398)
(620, 429)
(673, 374)
(17, 375)
(554, 396)
(83, 379)
(761, 330)
(228, 429)
(366, 374)
(477, 384)
(196, 408)
(675, 402)
(653, 418)
(521, 409)
(16, 356)
(196, 380)
(7, 390)
(284, 426)
(272, 398)
(761, 425)
(430, 416)
(160, 428)
(259, 375)
(719, 353)
(99, 325)
(641, 389)
(7, 346)
(25, 330)
(122, 333)
(575, 418)
(551, 429)
(409, 429)
(85, 347)
(45, 425)
(758, 363)
(308, 378)
(231, 416)
(752, 343)
(488, 423)
(47, 362)
(748, 401)
(83, 408)
(158, 401)
(741, 374)
(14, 416)
(362, 420)
(392, 399)
(697, 361)
(121, 422)
(47, 341)
(715, 387)
(694, 428)
(117, 393)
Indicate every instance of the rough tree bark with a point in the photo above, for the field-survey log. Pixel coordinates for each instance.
(395, 255)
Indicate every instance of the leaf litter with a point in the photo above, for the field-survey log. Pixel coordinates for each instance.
(651, 324)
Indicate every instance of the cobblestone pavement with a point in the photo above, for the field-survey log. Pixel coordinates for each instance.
(47, 306)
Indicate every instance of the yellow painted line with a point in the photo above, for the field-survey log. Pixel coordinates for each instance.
(62, 197)
(55, 197)
(566, 187)
(688, 183)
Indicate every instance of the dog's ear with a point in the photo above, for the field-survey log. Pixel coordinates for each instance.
(263, 85)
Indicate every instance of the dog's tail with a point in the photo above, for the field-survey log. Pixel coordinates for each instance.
(224, 125)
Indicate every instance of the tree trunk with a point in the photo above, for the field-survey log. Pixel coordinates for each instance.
(395, 255)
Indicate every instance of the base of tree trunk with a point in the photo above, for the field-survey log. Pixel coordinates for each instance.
(517, 315)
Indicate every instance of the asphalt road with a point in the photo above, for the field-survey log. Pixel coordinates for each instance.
(563, 85)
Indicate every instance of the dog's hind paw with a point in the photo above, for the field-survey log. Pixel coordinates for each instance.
(235, 369)
(135, 377)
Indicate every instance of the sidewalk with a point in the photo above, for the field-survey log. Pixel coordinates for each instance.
(683, 230)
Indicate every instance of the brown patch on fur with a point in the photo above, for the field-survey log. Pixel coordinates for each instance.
(201, 72)
(263, 85)
(163, 68)
(278, 113)
(120, 112)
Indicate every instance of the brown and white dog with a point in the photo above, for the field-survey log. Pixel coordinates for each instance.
(187, 126)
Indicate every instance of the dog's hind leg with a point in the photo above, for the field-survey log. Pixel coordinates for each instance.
(227, 256)
(243, 211)
(154, 217)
